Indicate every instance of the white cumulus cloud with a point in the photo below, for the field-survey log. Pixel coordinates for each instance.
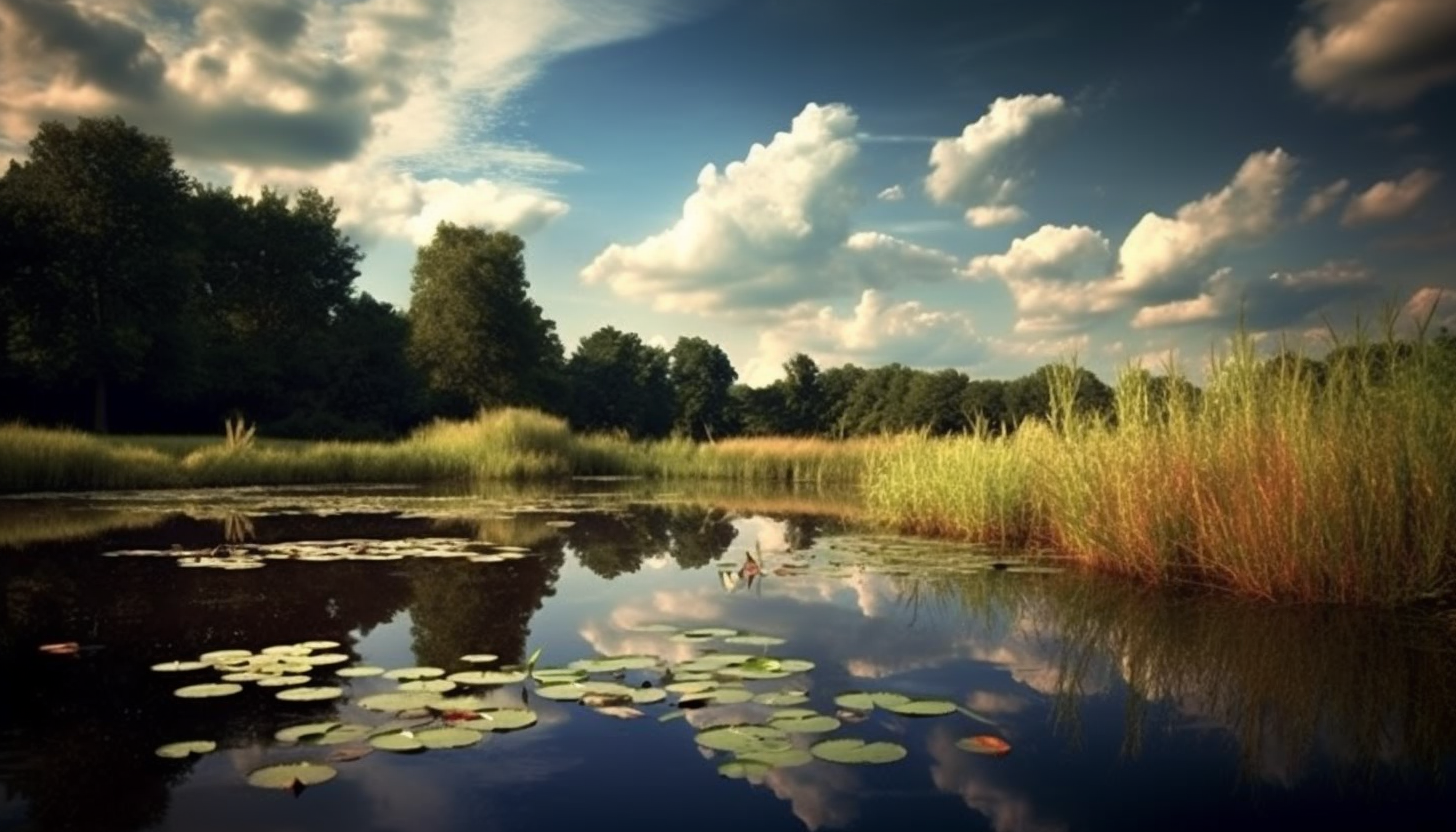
(769, 231)
(989, 216)
(894, 193)
(1375, 54)
(1322, 200)
(968, 170)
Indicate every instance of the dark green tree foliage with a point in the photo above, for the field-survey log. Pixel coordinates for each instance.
(837, 384)
(701, 377)
(97, 290)
(274, 279)
(934, 402)
(619, 383)
(985, 399)
(1030, 396)
(876, 404)
(760, 411)
(475, 334)
(803, 397)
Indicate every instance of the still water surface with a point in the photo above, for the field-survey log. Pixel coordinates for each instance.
(1124, 708)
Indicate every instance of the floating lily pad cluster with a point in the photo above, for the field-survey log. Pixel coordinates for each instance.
(256, 555)
(430, 708)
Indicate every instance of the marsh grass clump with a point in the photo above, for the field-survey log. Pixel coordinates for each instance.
(45, 459)
(1275, 481)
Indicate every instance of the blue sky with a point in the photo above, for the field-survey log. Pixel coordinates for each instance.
(987, 186)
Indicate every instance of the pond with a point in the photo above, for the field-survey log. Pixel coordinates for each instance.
(711, 662)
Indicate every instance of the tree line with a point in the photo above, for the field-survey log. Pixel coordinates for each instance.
(136, 298)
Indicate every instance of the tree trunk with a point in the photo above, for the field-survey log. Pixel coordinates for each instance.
(98, 411)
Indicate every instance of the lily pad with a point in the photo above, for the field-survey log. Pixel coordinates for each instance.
(318, 694)
(612, 664)
(302, 733)
(398, 701)
(690, 687)
(557, 675)
(285, 650)
(282, 681)
(291, 775)
(744, 739)
(815, 724)
(224, 656)
(321, 659)
(407, 674)
(857, 752)
(867, 701)
(180, 666)
(648, 696)
(359, 671)
(398, 741)
(181, 750)
(349, 732)
(207, 691)
(349, 753)
(245, 676)
(710, 632)
(319, 645)
(921, 707)
(785, 758)
(479, 658)
(652, 628)
(985, 744)
(488, 677)
(502, 720)
(453, 737)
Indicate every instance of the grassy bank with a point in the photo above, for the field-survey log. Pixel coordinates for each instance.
(1272, 483)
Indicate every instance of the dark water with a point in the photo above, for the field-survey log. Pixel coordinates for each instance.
(1124, 708)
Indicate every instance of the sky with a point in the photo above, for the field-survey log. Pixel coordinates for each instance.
(988, 186)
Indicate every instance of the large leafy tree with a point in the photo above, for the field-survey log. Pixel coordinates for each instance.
(272, 275)
(475, 333)
(619, 383)
(803, 397)
(701, 376)
(97, 288)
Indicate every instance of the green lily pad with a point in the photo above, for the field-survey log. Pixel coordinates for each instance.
(612, 664)
(287, 775)
(245, 676)
(557, 675)
(648, 696)
(488, 677)
(786, 758)
(224, 656)
(813, 724)
(780, 698)
(407, 674)
(180, 666)
(863, 701)
(359, 671)
(710, 632)
(321, 659)
(572, 691)
(744, 769)
(399, 741)
(795, 665)
(857, 752)
(180, 750)
(502, 720)
(671, 715)
(398, 701)
(922, 707)
(317, 694)
(282, 681)
(319, 645)
(479, 658)
(428, 685)
(301, 733)
(744, 739)
(207, 691)
(285, 650)
(753, 673)
(346, 733)
(452, 737)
